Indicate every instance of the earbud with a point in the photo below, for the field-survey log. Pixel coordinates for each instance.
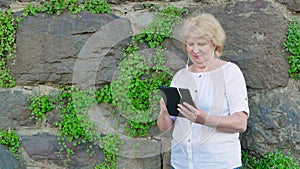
(187, 63)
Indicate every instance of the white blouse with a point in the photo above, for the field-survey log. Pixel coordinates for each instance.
(219, 92)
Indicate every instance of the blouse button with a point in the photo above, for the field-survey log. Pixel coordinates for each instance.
(189, 140)
(196, 91)
(200, 76)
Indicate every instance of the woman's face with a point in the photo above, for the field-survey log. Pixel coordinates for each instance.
(200, 51)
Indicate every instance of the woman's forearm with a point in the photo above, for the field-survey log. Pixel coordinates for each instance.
(164, 122)
(229, 124)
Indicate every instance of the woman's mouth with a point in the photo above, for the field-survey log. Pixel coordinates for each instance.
(197, 56)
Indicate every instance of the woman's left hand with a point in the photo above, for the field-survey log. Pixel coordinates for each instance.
(193, 114)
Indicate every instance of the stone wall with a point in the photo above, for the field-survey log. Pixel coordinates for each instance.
(85, 49)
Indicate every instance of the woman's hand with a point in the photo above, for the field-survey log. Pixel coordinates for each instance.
(164, 121)
(236, 122)
(163, 108)
(196, 115)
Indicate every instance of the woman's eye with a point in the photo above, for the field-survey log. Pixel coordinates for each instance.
(201, 44)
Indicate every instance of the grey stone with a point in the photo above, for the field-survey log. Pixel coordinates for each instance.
(41, 146)
(85, 50)
(6, 3)
(7, 160)
(14, 109)
(48, 46)
(291, 4)
(252, 42)
(44, 146)
(274, 122)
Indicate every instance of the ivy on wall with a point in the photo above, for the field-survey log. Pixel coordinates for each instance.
(141, 76)
(9, 24)
(292, 46)
(134, 93)
(8, 27)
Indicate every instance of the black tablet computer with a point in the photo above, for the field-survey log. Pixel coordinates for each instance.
(173, 96)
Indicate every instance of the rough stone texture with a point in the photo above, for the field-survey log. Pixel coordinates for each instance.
(54, 43)
(7, 160)
(6, 3)
(291, 4)
(14, 105)
(44, 146)
(85, 49)
(13, 108)
(98, 57)
(274, 122)
(252, 42)
(135, 153)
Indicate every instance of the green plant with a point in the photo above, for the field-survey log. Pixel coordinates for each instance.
(97, 6)
(10, 139)
(293, 47)
(76, 128)
(74, 125)
(8, 27)
(109, 144)
(40, 105)
(59, 6)
(73, 6)
(104, 94)
(31, 9)
(167, 18)
(136, 87)
(271, 160)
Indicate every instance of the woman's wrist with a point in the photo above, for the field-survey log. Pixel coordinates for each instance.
(201, 117)
(162, 113)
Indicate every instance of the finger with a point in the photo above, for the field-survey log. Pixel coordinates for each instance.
(162, 103)
(185, 112)
(182, 107)
(197, 107)
(163, 106)
(190, 107)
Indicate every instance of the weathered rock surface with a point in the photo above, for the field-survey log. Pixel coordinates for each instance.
(7, 159)
(48, 46)
(44, 146)
(274, 122)
(85, 50)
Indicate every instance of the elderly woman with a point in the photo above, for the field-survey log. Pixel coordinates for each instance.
(207, 135)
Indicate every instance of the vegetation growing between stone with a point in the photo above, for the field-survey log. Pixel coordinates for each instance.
(72, 6)
(9, 24)
(136, 86)
(275, 159)
(8, 27)
(292, 46)
(40, 105)
(10, 139)
(74, 124)
(73, 103)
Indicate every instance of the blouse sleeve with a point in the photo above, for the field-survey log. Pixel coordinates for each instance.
(236, 91)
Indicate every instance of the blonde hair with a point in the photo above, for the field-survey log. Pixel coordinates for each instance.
(204, 25)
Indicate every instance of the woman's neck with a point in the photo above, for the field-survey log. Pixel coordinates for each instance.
(213, 65)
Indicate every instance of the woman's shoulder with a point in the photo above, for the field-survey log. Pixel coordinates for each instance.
(181, 71)
(231, 66)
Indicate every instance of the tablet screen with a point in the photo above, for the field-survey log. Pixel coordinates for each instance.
(173, 96)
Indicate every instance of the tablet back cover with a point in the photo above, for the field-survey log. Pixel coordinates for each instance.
(171, 98)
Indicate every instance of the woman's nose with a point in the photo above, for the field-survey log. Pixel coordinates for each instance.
(196, 49)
